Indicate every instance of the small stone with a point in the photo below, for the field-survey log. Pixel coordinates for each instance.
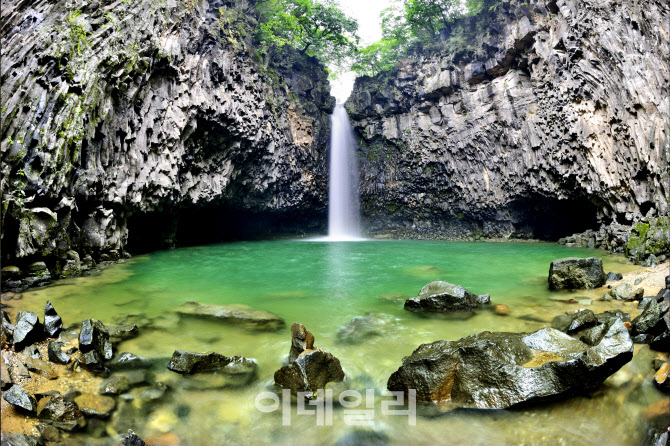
(114, 386)
(5, 377)
(613, 276)
(18, 397)
(95, 405)
(94, 336)
(638, 281)
(501, 310)
(11, 273)
(56, 353)
(53, 324)
(41, 367)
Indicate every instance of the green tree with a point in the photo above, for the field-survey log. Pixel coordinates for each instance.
(316, 28)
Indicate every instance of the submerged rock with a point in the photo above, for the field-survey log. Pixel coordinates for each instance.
(20, 440)
(361, 328)
(95, 405)
(128, 361)
(622, 291)
(571, 323)
(65, 413)
(233, 370)
(500, 370)
(114, 385)
(364, 438)
(27, 330)
(301, 340)
(118, 333)
(444, 296)
(53, 324)
(18, 397)
(94, 336)
(576, 273)
(238, 314)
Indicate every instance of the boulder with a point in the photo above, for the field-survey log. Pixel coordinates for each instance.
(93, 362)
(21, 399)
(233, 370)
(622, 291)
(361, 328)
(500, 370)
(99, 406)
(301, 340)
(443, 297)
(53, 324)
(94, 337)
(311, 371)
(65, 413)
(650, 321)
(571, 323)
(609, 315)
(56, 353)
(27, 330)
(576, 273)
(237, 314)
(128, 361)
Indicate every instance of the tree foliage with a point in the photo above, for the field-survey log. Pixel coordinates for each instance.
(408, 23)
(315, 27)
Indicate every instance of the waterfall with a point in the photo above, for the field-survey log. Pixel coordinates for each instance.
(343, 202)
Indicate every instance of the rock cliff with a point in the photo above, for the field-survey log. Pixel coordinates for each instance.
(534, 119)
(135, 124)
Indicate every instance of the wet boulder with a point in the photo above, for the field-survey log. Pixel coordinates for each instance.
(95, 337)
(361, 328)
(233, 370)
(65, 414)
(53, 324)
(650, 321)
(236, 314)
(622, 291)
(301, 340)
(444, 297)
(500, 370)
(576, 273)
(27, 330)
(607, 316)
(20, 398)
(310, 368)
(56, 353)
(572, 323)
(613, 276)
(93, 362)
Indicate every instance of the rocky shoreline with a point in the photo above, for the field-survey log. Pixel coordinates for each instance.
(63, 382)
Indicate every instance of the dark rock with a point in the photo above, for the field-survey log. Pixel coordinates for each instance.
(27, 330)
(667, 282)
(609, 315)
(593, 335)
(576, 273)
(94, 336)
(128, 361)
(237, 314)
(363, 438)
(651, 261)
(20, 440)
(361, 328)
(661, 343)
(114, 385)
(49, 433)
(5, 377)
(118, 333)
(6, 330)
(643, 303)
(67, 336)
(662, 377)
(301, 340)
(235, 370)
(56, 353)
(95, 405)
(613, 276)
(571, 323)
(656, 437)
(443, 297)
(53, 324)
(499, 370)
(650, 321)
(311, 371)
(18, 397)
(642, 339)
(93, 362)
(664, 294)
(55, 408)
(133, 440)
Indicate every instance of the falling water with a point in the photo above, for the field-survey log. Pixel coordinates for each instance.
(343, 206)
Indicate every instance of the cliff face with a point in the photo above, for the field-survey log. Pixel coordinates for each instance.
(154, 120)
(538, 119)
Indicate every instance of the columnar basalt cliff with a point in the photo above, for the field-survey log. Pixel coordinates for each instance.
(129, 124)
(536, 119)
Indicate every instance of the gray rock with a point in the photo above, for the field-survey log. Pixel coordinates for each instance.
(236, 314)
(362, 328)
(613, 276)
(5, 377)
(311, 371)
(128, 361)
(114, 385)
(27, 330)
(55, 408)
(234, 370)
(20, 398)
(118, 333)
(444, 297)
(623, 291)
(94, 363)
(94, 336)
(649, 322)
(132, 440)
(609, 315)
(571, 323)
(53, 324)
(500, 370)
(576, 273)
(56, 353)
(20, 440)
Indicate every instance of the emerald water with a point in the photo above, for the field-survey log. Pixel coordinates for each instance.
(324, 285)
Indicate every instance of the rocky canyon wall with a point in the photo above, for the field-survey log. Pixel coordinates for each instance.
(534, 119)
(137, 124)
